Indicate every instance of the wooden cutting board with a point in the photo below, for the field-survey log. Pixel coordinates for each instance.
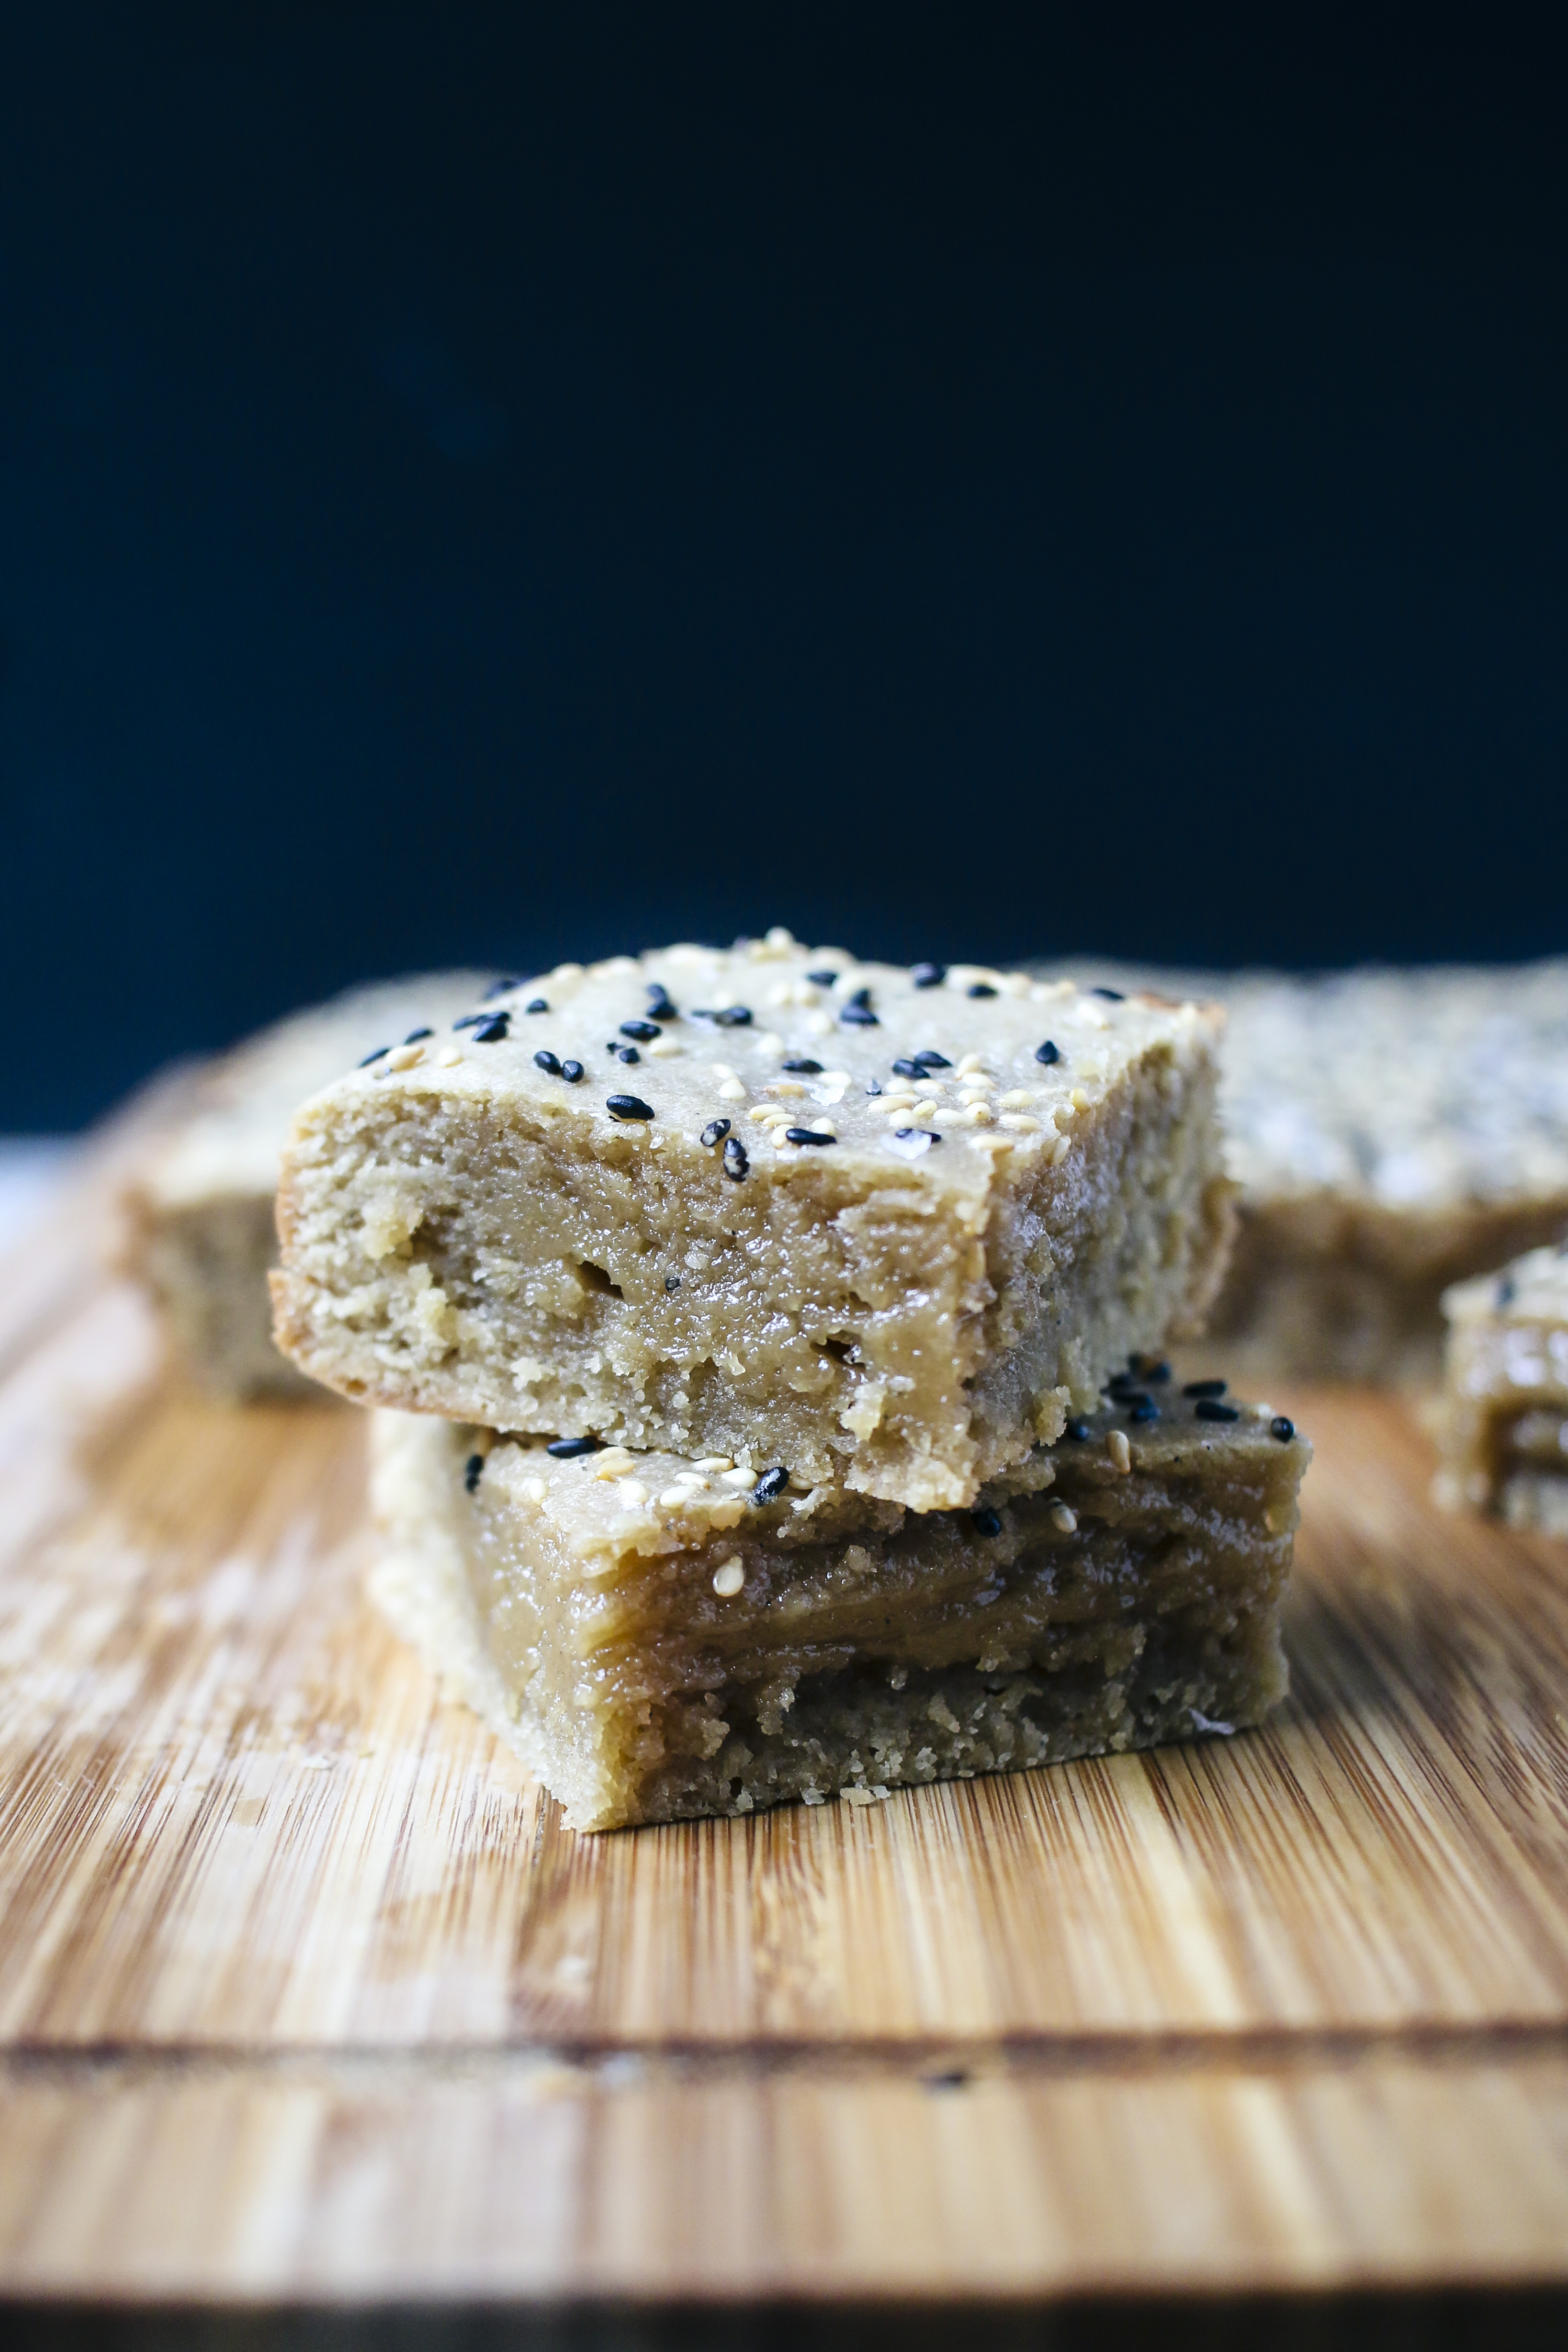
(305, 1991)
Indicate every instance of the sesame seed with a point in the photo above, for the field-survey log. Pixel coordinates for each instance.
(856, 1013)
(659, 1006)
(1117, 1447)
(789, 1089)
(473, 1471)
(628, 1107)
(535, 1004)
(1111, 995)
(535, 1489)
(567, 1449)
(928, 975)
(1153, 1373)
(415, 1034)
(1145, 1409)
(1078, 1431)
(908, 1068)
(502, 987)
(1506, 1291)
(643, 1031)
(770, 1485)
(630, 1494)
(1019, 1121)
(1282, 1429)
(673, 1496)
(1064, 1519)
(1047, 1052)
(1205, 1389)
(1209, 1408)
(981, 988)
(545, 1060)
(493, 1032)
(914, 1134)
(732, 1091)
(803, 1066)
(986, 1523)
(822, 979)
(729, 1579)
(1015, 1098)
(807, 1134)
(473, 1019)
(735, 1163)
(573, 1073)
(628, 1054)
(376, 1056)
(714, 1132)
(671, 1282)
(449, 1057)
(732, 1016)
(404, 1057)
(976, 1114)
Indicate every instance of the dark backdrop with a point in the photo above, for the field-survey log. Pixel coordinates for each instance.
(494, 483)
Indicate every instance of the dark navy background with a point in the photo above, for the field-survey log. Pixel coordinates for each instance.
(496, 483)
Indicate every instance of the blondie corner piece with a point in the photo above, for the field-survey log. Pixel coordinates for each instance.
(199, 1223)
(659, 1638)
(883, 1224)
(1504, 1428)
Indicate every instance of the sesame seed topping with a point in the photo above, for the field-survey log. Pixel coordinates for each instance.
(671, 1282)
(493, 1032)
(1047, 1052)
(1282, 1429)
(770, 1485)
(567, 1449)
(1078, 1431)
(981, 988)
(714, 1132)
(573, 1073)
(807, 1134)
(473, 1019)
(643, 1031)
(822, 979)
(729, 1579)
(1209, 1408)
(628, 1107)
(928, 975)
(986, 1523)
(735, 1163)
(732, 1016)
(535, 1004)
(449, 1057)
(1142, 1409)
(376, 1056)
(545, 1060)
(659, 1006)
(909, 1069)
(732, 1091)
(404, 1057)
(1111, 995)
(856, 1013)
(1064, 1519)
(473, 1471)
(502, 987)
(803, 1066)
(626, 1054)
(1205, 1389)
(415, 1034)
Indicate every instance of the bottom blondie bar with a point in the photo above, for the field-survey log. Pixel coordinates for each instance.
(1505, 1430)
(658, 1638)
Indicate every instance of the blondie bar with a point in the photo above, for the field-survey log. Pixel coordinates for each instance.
(658, 1638)
(1504, 1426)
(886, 1225)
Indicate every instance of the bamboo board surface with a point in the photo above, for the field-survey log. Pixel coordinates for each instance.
(305, 1991)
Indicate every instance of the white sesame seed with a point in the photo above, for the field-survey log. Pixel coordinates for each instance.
(970, 1061)
(818, 1024)
(732, 1091)
(768, 1042)
(824, 1126)
(787, 1087)
(738, 1477)
(729, 1579)
(1015, 1098)
(1117, 1447)
(1080, 1099)
(721, 1069)
(714, 1462)
(673, 1496)
(404, 1057)
(1020, 1122)
(664, 1049)
(1064, 1520)
(978, 1114)
(632, 1492)
(449, 1057)
(690, 1478)
(534, 1488)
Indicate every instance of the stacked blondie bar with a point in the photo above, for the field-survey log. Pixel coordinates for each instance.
(766, 1349)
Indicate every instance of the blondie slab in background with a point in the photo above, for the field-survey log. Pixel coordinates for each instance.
(198, 1221)
(889, 1227)
(1393, 1132)
(658, 1638)
(1505, 1430)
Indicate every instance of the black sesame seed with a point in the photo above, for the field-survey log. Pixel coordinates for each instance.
(535, 1004)
(1205, 1387)
(545, 1060)
(807, 1134)
(904, 1134)
(859, 996)
(626, 1054)
(907, 1068)
(928, 975)
(822, 979)
(732, 1016)
(804, 1067)
(415, 1034)
(1047, 1052)
(1144, 1409)
(501, 987)
(628, 1107)
(659, 1006)
(1131, 1399)
(874, 1087)
(1506, 1291)
(1111, 995)
(493, 1032)
(735, 1163)
(671, 1282)
(567, 1449)
(1210, 1409)
(929, 1060)
(986, 1523)
(473, 1019)
(982, 988)
(1078, 1431)
(857, 1016)
(473, 1471)
(573, 1073)
(1282, 1429)
(375, 1056)
(770, 1485)
(714, 1132)
(643, 1031)
(1151, 1372)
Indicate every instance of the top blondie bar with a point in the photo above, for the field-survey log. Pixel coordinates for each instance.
(880, 1226)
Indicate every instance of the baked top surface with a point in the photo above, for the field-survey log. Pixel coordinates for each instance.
(1533, 1289)
(741, 1015)
(1419, 1089)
